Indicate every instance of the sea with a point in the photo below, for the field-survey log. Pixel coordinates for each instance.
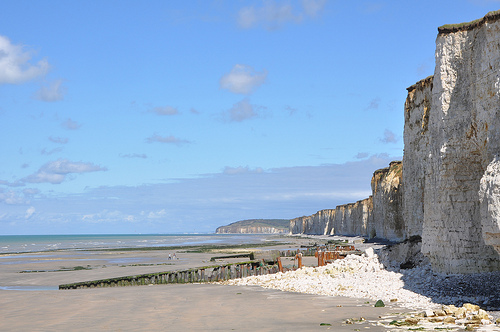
(10, 244)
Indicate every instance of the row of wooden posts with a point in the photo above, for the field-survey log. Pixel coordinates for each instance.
(196, 275)
(217, 272)
(338, 252)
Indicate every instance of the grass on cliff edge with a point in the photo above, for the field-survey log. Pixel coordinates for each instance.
(465, 25)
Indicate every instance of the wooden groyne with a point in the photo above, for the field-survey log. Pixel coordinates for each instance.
(195, 275)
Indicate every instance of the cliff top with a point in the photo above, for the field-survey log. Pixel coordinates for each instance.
(450, 28)
(422, 83)
(277, 223)
(393, 166)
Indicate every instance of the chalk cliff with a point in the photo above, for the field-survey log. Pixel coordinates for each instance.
(256, 226)
(319, 223)
(387, 196)
(416, 141)
(380, 215)
(447, 190)
(461, 147)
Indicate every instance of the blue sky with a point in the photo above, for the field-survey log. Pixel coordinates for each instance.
(181, 116)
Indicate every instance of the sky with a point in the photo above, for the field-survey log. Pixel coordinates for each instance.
(182, 116)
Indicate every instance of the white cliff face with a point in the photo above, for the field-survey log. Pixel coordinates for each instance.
(388, 220)
(416, 142)
(320, 223)
(463, 136)
(353, 219)
(489, 197)
(379, 215)
(449, 189)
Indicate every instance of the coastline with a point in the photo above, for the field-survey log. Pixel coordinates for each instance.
(173, 306)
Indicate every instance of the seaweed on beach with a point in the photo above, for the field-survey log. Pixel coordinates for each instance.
(62, 269)
(198, 248)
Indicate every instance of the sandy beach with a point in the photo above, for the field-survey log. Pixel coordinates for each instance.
(30, 301)
(192, 307)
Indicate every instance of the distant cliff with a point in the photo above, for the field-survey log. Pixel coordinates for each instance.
(447, 190)
(379, 215)
(256, 226)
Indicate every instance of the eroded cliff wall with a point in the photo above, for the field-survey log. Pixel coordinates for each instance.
(353, 218)
(320, 223)
(447, 190)
(416, 153)
(387, 194)
(379, 215)
(250, 230)
(463, 138)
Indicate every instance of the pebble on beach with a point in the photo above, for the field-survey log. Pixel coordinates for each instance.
(365, 277)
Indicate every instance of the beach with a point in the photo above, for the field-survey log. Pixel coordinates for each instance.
(30, 300)
(189, 307)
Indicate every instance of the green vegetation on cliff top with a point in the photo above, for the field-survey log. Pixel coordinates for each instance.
(447, 28)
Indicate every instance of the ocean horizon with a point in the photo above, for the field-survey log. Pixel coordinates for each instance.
(10, 244)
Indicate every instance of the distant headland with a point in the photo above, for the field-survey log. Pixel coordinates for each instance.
(256, 226)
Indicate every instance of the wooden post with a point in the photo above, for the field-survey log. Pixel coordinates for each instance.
(320, 258)
(280, 266)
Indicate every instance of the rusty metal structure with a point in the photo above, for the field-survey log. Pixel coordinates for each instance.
(329, 254)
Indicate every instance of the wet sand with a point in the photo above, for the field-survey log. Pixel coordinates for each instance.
(188, 307)
(194, 307)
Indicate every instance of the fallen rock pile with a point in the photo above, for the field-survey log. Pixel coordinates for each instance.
(365, 277)
(469, 317)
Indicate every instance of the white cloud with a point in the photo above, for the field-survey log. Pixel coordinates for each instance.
(389, 137)
(241, 111)
(31, 191)
(206, 202)
(273, 15)
(70, 124)
(11, 184)
(52, 151)
(362, 155)
(166, 139)
(241, 170)
(53, 92)
(14, 64)
(242, 79)
(313, 7)
(12, 197)
(374, 104)
(157, 214)
(105, 216)
(60, 140)
(247, 17)
(29, 212)
(55, 172)
(134, 155)
(165, 110)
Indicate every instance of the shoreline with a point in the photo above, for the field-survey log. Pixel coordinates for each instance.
(161, 307)
(69, 266)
